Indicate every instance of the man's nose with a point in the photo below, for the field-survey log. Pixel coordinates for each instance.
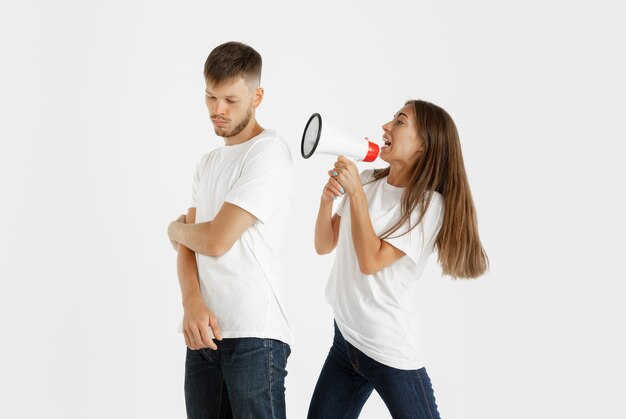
(220, 107)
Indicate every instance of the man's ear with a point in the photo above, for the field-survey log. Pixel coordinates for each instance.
(258, 96)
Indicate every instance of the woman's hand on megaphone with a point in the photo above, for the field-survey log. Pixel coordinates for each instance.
(332, 189)
(347, 175)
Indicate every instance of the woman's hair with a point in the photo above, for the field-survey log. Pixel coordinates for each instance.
(440, 168)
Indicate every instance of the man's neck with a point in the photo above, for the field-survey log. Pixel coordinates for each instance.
(249, 132)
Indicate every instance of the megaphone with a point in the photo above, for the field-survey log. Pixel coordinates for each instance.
(334, 142)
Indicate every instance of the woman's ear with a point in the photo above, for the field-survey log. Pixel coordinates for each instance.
(421, 144)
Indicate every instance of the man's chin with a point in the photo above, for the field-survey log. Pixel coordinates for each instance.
(220, 132)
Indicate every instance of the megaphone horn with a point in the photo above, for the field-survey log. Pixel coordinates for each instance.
(327, 140)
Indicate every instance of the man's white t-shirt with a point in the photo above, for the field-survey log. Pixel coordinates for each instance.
(376, 313)
(245, 286)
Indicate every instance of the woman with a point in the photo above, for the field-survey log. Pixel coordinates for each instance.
(385, 229)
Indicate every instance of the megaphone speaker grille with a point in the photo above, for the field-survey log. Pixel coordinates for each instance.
(311, 135)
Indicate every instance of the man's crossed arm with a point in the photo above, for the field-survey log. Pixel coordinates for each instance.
(215, 237)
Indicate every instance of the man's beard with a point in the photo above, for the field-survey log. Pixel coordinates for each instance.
(237, 129)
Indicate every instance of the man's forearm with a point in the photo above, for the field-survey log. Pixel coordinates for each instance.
(198, 238)
(187, 275)
(215, 237)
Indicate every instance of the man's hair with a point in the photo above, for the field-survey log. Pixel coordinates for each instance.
(233, 60)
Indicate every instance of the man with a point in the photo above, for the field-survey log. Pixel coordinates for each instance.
(229, 252)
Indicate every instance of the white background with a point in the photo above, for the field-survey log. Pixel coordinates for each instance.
(103, 121)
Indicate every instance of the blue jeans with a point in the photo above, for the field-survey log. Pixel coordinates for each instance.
(349, 376)
(244, 378)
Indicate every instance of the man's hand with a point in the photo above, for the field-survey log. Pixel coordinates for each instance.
(170, 230)
(199, 326)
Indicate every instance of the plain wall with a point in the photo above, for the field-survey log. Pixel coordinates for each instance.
(103, 121)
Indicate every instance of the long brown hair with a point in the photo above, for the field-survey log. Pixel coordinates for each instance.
(440, 168)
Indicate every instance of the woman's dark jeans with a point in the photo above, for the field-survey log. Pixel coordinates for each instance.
(349, 376)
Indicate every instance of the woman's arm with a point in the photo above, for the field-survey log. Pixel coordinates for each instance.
(327, 225)
(373, 254)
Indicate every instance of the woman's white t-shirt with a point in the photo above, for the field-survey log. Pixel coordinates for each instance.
(376, 313)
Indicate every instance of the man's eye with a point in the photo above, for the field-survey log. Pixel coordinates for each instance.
(230, 101)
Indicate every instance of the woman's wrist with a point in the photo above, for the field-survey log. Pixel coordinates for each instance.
(324, 200)
(357, 195)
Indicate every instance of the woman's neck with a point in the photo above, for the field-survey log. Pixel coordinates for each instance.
(398, 175)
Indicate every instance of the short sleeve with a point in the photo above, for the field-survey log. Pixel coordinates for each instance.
(366, 175)
(266, 179)
(422, 237)
(193, 203)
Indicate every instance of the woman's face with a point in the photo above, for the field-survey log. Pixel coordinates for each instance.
(402, 142)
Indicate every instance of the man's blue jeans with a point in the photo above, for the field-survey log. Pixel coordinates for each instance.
(244, 378)
(349, 376)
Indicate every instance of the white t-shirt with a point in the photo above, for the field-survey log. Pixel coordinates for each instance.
(376, 313)
(245, 286)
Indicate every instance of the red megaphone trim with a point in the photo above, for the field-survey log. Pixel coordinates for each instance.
(372, 151)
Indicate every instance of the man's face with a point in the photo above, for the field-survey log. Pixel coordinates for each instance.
(231, 105)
